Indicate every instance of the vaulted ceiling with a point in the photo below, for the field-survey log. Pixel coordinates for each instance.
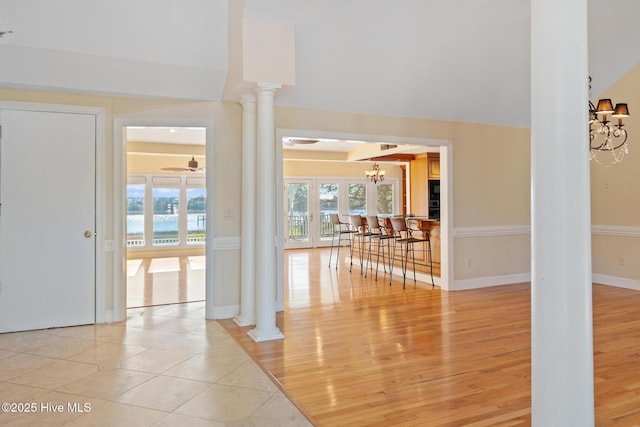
(463, 60)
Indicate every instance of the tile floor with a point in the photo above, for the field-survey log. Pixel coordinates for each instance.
(164, 366)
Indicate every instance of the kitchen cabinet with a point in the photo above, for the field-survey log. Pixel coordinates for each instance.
(433, 165)
(418, 192)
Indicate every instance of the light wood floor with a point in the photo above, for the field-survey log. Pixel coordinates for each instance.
(359, 352)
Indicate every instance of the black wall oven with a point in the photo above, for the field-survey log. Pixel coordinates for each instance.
(434, 199)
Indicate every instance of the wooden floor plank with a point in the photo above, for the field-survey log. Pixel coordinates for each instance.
(360, 352)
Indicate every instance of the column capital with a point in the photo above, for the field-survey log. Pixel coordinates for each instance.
(267, 87)
(247, 99)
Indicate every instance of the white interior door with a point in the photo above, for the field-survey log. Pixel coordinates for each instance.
(47, 219)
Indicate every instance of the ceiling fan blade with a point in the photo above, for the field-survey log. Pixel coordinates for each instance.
(175, 169)
(192, 167)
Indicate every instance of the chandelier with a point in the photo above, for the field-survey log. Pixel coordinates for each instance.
(605, 136)
(374, 174)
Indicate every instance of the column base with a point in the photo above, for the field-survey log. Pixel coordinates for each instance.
(259, 336)
(241, 321)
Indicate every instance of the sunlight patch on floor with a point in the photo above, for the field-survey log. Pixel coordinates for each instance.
(164, 265)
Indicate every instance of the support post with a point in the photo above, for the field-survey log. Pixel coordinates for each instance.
(561, 308)
(266, 329)
(247, 315)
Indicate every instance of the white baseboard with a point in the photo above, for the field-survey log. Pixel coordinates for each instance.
(619, 282)
(226, 312)
(108, 316)
(383, 271)
(486, 282)
(423, 278)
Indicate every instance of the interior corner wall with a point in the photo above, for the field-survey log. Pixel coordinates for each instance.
(615, 206)
(491, 184)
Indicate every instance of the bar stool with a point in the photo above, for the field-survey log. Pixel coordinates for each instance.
(386, 236)
(360, 232)
(340, 229)
(404, 236)
(373, 228)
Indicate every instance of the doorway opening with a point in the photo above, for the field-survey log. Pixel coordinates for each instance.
(362, 151)
(166, 215)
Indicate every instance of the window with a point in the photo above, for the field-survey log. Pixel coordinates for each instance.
(298, 197)
(196, 211)
(166, 207)
(171, 209)
(135, 212)
(357, 199)
(329, 196)
(385, 199)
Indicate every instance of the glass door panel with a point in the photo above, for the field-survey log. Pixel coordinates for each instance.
(328, 203)
(135, 214)
(385, 199)
(357, 199)
(298, 215)
(196, 215)
(166, 202)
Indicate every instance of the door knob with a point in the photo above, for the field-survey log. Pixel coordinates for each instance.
(88, 234)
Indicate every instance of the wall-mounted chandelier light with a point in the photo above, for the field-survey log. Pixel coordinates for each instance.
(374, 174)
(605, 136)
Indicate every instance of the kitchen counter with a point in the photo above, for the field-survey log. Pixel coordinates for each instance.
(428, 227)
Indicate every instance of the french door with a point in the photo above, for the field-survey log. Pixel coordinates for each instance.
(310, 202)
(328, 202)
(299, 218)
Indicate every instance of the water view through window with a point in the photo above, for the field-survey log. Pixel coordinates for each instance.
(135, 215)
(196, 215)
(166, 202)
(173, 221)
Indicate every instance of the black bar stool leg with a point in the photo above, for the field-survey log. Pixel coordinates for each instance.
(393, 260)
(433, 284)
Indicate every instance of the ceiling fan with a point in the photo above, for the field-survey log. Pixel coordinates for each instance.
(192, 167)
(290, 142)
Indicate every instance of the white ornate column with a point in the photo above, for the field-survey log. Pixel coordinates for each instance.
(561, 311)
(266, 219)
(247, 315)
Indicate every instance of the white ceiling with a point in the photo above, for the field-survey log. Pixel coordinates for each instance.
(167, 135)
(164, 48)
(462, 60)
(348, 146)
